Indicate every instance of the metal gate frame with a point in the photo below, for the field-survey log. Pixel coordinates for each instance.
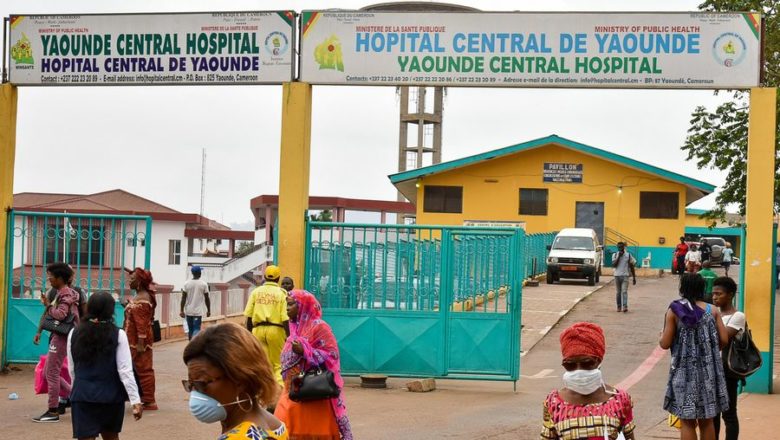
(22, 314)
(419, 342)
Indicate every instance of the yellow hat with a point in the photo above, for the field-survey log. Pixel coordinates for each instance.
(273, 272)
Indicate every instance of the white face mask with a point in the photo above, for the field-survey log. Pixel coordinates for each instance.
(583, 381)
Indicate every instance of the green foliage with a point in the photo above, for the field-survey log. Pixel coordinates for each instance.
(323, 216)
(718, 139)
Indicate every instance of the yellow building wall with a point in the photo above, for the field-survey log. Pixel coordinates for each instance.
(694, 221)
(498, 200)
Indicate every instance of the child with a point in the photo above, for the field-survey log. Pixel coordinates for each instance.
(709, 277)
(693, 259)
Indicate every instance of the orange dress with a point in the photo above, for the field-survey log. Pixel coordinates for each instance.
(312, 420)
(138, 324)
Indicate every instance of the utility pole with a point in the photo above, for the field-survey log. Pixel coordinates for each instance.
(203, 183)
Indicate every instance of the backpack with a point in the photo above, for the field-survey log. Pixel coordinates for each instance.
(742, 357)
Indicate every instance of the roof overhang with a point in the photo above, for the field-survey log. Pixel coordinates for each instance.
(406, 182)
(319, 202)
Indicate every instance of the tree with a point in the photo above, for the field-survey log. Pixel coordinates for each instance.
(323, 216)
(718, 139)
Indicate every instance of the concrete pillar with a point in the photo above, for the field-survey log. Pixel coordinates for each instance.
(246, 287)
(294, 176)
(383, 217)
(223, 303)
(759, 258)
(164, 302)
(231, 248)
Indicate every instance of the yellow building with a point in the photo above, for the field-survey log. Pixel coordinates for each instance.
(552, 183)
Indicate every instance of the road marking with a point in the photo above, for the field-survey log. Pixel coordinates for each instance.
(545, 330)
(643, 370)
(544, 374)
(541, 311)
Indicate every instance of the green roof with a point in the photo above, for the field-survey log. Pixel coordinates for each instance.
(553, 139)
(694, 211)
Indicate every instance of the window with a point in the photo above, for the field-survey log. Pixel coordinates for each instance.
(74, 243)
(443, 199)
(533, 201)
(174, 251)
(659, 204)
(133, 242)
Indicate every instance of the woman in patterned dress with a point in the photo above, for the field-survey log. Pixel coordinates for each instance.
(586, 408)
(311, 345)
(696, 390)
(231, 381)
(139, 314)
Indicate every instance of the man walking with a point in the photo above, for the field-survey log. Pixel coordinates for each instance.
(624, 263)
(194, 299)
(266, 318)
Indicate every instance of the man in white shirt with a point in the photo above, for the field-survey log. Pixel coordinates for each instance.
(195, 302)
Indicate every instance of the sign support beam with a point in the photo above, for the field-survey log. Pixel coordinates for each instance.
(758, 260)
(294, 178)
(8, 99)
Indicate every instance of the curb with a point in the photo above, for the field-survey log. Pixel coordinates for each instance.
(560, 317)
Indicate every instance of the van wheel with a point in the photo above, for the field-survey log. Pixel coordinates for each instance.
(591, 280)
(550, 277)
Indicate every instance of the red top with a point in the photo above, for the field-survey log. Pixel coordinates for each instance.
(567, 421)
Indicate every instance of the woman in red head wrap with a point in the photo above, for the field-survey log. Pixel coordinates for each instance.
(585, 408)
(139, 315)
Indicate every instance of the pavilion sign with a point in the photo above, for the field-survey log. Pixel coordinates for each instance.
(148, 49)
(608, 50)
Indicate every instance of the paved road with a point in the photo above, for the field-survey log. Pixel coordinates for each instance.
(458, 409)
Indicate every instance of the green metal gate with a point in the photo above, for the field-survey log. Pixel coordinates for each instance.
(414, 300)
(96, 246)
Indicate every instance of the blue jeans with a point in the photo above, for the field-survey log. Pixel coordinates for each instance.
(621, 283)
(193, 325)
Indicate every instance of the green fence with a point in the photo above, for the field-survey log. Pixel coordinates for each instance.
(535, 253)
(416, 300)
(98, 247)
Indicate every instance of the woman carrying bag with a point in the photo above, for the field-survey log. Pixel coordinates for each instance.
(311, 348)
(59, 318)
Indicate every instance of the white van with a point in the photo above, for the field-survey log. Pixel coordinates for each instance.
(575, 253)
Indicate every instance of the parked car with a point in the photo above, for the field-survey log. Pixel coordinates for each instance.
(717, 244)
(575, 253)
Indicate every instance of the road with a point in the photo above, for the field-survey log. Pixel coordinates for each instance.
(457, 409)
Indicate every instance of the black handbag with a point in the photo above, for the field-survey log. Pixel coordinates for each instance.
(56, 326)
(315, 384)
(156, 332)
(742, 356)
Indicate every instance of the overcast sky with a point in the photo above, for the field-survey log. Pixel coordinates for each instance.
(148, 140)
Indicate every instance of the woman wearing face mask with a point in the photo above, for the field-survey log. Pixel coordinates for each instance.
(311, 345)
(586, 408)
(696, 390)
(224, 387)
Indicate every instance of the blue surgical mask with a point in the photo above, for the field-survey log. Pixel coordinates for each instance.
(207, 409)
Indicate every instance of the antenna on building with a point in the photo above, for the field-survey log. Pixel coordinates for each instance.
(203, 183)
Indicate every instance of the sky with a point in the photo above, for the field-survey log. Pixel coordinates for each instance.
(148, 140)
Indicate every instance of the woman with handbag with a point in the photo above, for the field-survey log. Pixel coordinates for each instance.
(696, 388)
(99, 362)
(311, 405)
(723, 291)
(139, 314)
(60, 317)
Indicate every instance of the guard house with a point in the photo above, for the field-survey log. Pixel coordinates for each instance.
(552, 183)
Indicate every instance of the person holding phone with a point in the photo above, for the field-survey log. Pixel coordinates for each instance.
(624, 264)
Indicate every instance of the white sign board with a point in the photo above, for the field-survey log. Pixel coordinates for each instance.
(613, 50)
(149, 49)
(493, 224)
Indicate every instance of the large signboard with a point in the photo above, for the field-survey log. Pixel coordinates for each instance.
(615, 50)
(562, 172)
(147, 49)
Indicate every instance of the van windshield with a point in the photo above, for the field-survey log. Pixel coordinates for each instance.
(573, 243)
